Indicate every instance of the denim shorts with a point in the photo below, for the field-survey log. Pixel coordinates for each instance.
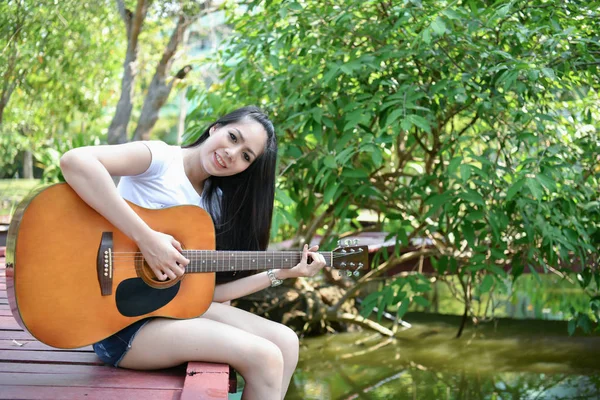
(112, 349)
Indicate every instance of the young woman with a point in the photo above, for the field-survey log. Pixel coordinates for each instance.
(229, 171)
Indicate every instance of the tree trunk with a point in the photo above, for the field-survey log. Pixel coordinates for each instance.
(159, 89)
(27, 165)
(117, 132)
(182, 115)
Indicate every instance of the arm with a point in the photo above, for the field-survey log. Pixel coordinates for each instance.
(88, 171)
(254, 283)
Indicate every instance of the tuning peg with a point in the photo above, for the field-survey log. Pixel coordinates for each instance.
(356, 273)
(360, 265)
(355, 242)
(348, 242)
(343, 264)
(349, 273)
(339, 243)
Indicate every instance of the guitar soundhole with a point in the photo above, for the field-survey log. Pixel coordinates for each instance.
(134, 297)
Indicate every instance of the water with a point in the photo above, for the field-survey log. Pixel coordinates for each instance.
(506, 359)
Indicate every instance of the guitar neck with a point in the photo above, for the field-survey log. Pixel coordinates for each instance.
(221, 261)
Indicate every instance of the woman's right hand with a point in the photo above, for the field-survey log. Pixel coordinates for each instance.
(163, 254)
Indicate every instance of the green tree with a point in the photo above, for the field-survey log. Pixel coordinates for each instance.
(471, 126)
(57, 71)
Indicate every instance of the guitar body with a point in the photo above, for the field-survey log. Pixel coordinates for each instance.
(52, 280)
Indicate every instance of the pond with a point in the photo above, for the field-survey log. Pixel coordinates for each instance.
(505, 359)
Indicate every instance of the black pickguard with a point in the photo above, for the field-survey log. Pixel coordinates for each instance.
(134, 297)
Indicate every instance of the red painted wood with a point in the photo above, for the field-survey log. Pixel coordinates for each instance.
(9, 323)
(17, 335)
(61, 393)
(38, 371)
(206, 381)
(35, 368)
(120, 380)
(71, 357)
(6, 344)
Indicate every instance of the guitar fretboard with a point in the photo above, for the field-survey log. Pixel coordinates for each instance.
(220, 261)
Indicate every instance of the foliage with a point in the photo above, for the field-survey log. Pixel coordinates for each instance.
(473, 125)
(61, 61)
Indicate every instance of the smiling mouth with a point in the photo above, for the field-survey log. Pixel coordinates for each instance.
(220, 161)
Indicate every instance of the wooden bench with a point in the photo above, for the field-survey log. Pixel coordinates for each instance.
(31, 370)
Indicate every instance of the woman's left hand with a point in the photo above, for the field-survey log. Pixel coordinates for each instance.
(304, 268)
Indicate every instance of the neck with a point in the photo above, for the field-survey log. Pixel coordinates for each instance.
(193, 168)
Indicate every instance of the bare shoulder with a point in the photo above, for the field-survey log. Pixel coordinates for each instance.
(119, 160)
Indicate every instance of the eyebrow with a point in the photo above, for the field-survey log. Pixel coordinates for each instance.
(244, 140)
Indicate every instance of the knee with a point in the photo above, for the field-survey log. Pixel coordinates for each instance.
(266, 356)
(287, 341)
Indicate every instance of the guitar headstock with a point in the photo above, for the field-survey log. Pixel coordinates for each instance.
(351, 258)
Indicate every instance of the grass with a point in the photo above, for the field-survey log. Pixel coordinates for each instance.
(12, 191)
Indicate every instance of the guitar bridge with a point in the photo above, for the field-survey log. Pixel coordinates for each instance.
(104, 264)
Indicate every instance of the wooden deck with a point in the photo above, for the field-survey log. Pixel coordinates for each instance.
(31, 370)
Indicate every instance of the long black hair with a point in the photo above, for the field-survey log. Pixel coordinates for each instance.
(241, 205)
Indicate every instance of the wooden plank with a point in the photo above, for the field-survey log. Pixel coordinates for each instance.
(125, 379)
(206, 381)
(6, 344)
(9, 323)
(35, 368)
(13, 392)
(16, 335)
(72, 357)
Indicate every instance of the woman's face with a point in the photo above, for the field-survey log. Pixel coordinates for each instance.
(232, 148)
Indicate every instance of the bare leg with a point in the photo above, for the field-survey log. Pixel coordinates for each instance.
(166, 343)
(285, 338)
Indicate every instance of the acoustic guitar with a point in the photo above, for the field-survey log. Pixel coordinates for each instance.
(73, 278)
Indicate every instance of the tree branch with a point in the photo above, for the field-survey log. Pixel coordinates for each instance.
(390, 263)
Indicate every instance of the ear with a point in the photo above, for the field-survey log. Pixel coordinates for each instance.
(213, 128)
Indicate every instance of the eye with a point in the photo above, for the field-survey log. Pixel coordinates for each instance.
(233, 137)
(246, 157)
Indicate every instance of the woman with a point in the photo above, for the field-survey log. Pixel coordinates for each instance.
(230, 171)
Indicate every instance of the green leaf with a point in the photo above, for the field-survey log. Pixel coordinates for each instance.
(420, 122)
(472, 197)
(486, 284)
(355, 173)
(536, 189)
(283, 197)
(465, 172)
(393, 116)
(329, 161)
(453, 165)
(403, 308)
(546, 182)
(439, 27)
(475, 215)
(329, 193)
(549, 72)
(469, 233)
(426, 35)
(515, 188)
(422, 301)
(572, 326)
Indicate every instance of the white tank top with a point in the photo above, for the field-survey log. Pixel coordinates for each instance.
(164, 183)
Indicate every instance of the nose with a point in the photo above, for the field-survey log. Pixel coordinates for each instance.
(233, 153)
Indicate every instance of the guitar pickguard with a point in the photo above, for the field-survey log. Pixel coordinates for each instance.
(134, 297)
